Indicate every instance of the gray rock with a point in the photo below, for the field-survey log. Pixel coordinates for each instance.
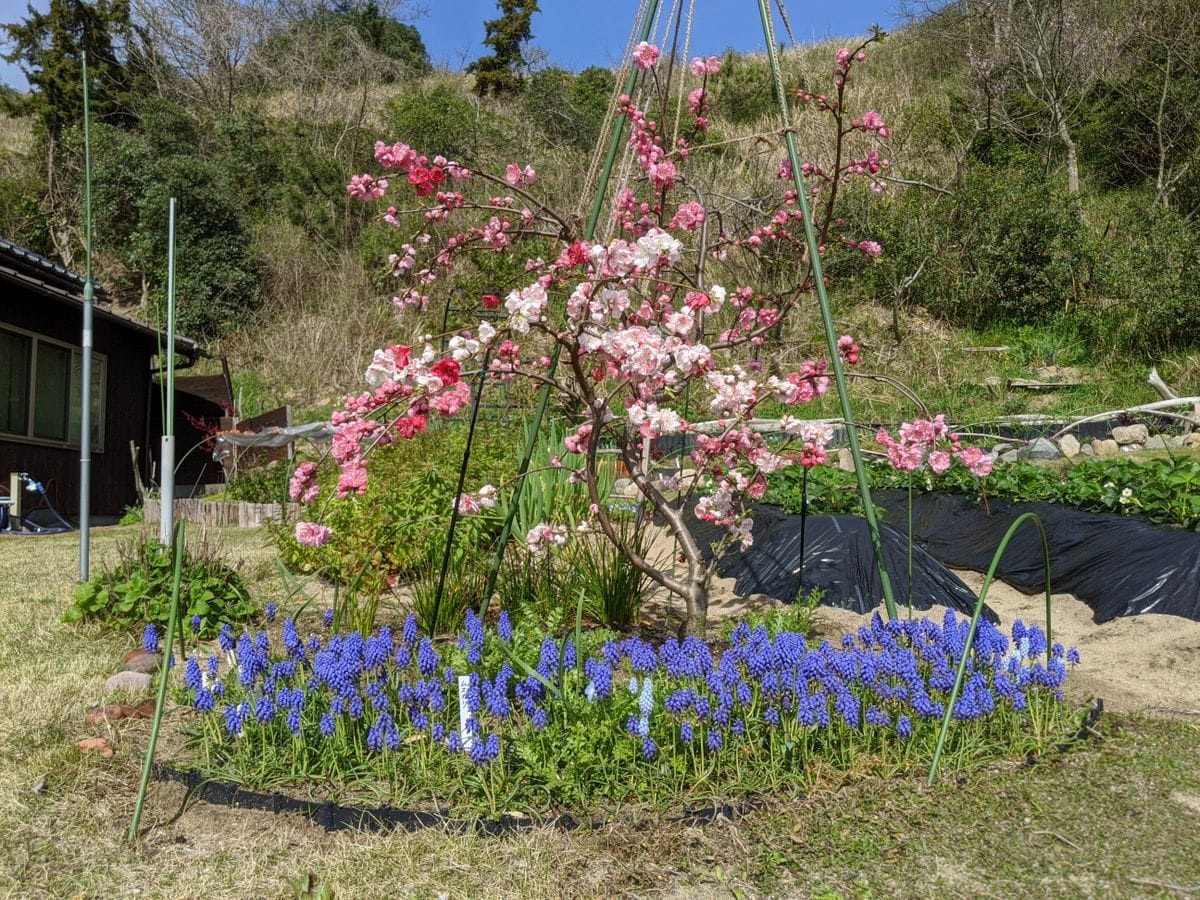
(135, 682)
(1176, 440)
(1042, 448)
(845, 460)
(1155, 442)
(1001, 448)
(1130, 434)
(1011, 456)
(1086, 450)
(141, 661)
(1106, 448)
(1069, 445)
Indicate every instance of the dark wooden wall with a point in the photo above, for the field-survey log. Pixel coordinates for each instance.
(129, 356)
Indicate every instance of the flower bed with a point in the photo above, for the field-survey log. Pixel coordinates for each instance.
(546, 724)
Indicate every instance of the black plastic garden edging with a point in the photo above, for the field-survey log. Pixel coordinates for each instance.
(1117, 565)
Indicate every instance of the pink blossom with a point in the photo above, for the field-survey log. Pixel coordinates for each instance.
(366, 187)
(310, 534)
(543, 536)
(701, 67)
(467, 505)
(976, 460)
(870, 248)
(645, 55)
(940, 461)
(518, 177)
(449, 403)
(303, 486)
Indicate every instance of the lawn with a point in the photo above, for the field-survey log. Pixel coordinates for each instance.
(1116, 817)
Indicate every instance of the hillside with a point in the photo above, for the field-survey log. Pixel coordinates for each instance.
(997, 231)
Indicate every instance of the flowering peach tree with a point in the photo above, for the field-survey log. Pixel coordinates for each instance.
(666, 309)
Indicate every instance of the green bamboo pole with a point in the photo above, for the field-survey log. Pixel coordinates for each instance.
(987, 583)
(163, 677)
(839, 376)
(544, 395)
(462, 478)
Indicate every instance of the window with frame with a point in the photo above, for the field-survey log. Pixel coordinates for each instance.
(41, 390)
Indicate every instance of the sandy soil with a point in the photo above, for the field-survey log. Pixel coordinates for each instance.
(1144, 664)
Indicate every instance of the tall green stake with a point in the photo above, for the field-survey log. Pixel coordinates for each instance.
(164, 675)
(614, 144)
(839, 376)
(85, 389)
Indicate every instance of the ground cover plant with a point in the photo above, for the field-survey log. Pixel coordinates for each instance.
(137, 589)
(497, 720)
(1164, 490)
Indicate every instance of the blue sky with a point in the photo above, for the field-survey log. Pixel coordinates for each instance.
(581, 33)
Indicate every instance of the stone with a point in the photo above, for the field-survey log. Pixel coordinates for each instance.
(1042, 448)
(134, 682)
(1086, 450)
(1155, 442)
(1069, 445)
(1002, 448)
(1106, 448)
(94, 745)
(1177, 440)
(1010, 456)
(1192, 441)
(1130, 434)
(845, 460)
(98, 715)
(141, 661)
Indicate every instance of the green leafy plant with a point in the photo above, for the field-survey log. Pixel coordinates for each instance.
(138, 589)
(261, 484)
(799, 617)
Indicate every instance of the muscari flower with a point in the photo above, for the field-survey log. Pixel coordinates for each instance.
(196, 622)
(269, 611)
(150, 638)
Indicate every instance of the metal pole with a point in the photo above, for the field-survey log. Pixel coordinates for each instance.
(544, 395)
(166, 502)
(85, 386)
(839, 376)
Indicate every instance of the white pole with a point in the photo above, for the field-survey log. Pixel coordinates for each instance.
(166, 503)
(85, 386)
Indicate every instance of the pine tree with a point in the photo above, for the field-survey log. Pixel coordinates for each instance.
(499, 73)
(48, 47)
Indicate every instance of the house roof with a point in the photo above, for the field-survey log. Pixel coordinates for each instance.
(23, 266)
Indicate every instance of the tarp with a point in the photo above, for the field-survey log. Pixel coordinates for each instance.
(838, 559)
(1118, 565)
(277, 437)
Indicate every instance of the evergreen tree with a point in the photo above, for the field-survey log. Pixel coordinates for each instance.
(48, 47)
(500, 73)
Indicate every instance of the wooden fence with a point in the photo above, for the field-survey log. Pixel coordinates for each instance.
(220, 512)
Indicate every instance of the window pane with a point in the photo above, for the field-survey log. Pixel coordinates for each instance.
(97, 395)
(14, 382)
(52, 392)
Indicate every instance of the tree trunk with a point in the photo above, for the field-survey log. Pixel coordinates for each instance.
(1064, 134)
(695, 620)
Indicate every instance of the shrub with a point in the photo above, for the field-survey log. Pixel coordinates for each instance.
(138, 589)
(261, 484)
(388, 533)
(1007, 247)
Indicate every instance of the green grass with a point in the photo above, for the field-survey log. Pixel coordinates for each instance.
(1115, 818)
